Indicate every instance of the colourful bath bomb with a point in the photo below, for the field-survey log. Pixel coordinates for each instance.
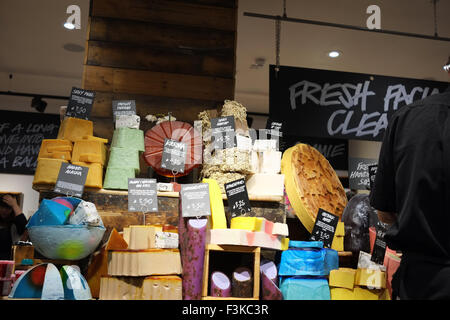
(64, 202)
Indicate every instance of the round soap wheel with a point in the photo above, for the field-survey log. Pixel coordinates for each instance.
(178, 131)
(311, 184)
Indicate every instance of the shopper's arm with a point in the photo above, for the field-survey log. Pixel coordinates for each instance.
(12, 202)
(19, 220)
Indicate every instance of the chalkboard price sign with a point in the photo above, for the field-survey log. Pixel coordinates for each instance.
(21, 135)
(174, 155)
(124, 107)
(71, 179)
(379, 247)
(195, 200)
(324, 228)
(237, 196)
(223, 132)
(142, 195)
(372, 174)
(80, 103)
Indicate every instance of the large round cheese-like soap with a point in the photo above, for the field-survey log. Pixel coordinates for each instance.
(311, 184)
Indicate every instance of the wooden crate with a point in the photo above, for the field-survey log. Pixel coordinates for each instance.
(254, 251)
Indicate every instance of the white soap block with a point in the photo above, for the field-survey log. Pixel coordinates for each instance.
(264, 240)
(265, 184)
(254, 162)
(128, 121)
(164, 187)
(365, 262)
(261, 145)
(86, 214)
(227, 236)
(280, 229)
(270, 162)
(143, 237)
(166, 240)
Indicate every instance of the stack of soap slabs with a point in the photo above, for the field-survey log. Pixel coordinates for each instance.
(303, 270)
(75, 143)
(126, 145)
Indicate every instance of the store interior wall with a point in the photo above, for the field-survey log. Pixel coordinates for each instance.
(38, 62)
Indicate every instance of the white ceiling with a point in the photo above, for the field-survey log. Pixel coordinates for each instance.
(33, 37)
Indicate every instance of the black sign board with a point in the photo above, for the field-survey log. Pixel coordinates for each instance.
(71, 179)
(124, 107)
(333, 104)
(372, 174)
(237, 196)
(142, 195)
(275, 132)
(195, 200)
(80, 103)
(379, 247)
(174, 155)
(358, 174)
(223, 132)
(21, 135)
(324, 228)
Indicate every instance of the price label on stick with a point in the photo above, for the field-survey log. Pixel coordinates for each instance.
(372, 174)
(124, 107)
(324, 228)
(237, 196)
(142, 195)
(195, 200)
(379, 247)
(174, 155)
(80, 103)
(223, 132)
(71, 179)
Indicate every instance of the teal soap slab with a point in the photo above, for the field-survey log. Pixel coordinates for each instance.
(128, 138)
(331, 261)
(117, 178)
(124, 158)
(302, 288)
(305, 244)
(49, 213)
(299, 262)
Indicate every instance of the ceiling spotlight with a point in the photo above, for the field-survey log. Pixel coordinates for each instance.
(69, 26)
(38, 104)
(334, 54)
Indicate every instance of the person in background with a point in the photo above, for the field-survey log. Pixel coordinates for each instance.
(412, 195)
(10, 214)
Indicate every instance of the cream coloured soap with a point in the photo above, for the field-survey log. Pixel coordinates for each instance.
(264, 184)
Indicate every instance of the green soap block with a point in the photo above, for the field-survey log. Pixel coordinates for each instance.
(124, 158)
(117, 178)
(128, 138)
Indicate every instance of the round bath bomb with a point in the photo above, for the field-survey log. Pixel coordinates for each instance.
(64, 202)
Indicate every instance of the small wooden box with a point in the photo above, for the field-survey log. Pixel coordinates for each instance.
(254, 251)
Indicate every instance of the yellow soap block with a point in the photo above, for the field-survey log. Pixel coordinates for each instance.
(92, 138)
(218, 218)
(91, 157)
(341, 294)
(64, 155)
(342, 278)
(338, 243)
(365, 294)
(94, 177)
(340, 229)
(75, 129)
(162, 288)
(245, 223)
(371, 278)
(284, 244)
(385, 295)
(89, 147)
(143, 237)
(48, 146)
(47, 171)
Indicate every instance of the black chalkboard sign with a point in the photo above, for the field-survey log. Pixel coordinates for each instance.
(379, 247)
(223, 132)
(194, 198)
(372, 174)
(123, 107)
(324, 228)
(71, 180)
(80, 103)
(237, 196)
(174, 155)
(142, 195)
(358, 173)
(333, 104)
(21, 134)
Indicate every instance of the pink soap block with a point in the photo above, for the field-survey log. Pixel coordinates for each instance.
(265, 240)
(391, 265)
(268, 227)
(6, 268)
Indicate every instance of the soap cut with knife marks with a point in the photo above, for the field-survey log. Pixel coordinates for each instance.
(311, 184)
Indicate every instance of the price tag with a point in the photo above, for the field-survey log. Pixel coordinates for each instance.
(195, 200)
(223, 132)
(276, 133)
(243, 143)
(324, 228)
(237, 196)
(174, 155)
(124, 107)
(372, 174)
(379, 247)
(71, 179)
(142, 195)
(80, 103)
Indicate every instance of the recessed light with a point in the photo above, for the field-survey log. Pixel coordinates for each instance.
(334, 54)
(69, 26)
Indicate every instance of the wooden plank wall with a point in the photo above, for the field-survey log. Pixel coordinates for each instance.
(168, 55)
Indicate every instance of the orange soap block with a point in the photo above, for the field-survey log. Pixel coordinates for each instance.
(47, 171)
(64, 155)
(94, 177)
(92, 138)
(75, 129)
(48, 146)
(94, 150)
(98, 266)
